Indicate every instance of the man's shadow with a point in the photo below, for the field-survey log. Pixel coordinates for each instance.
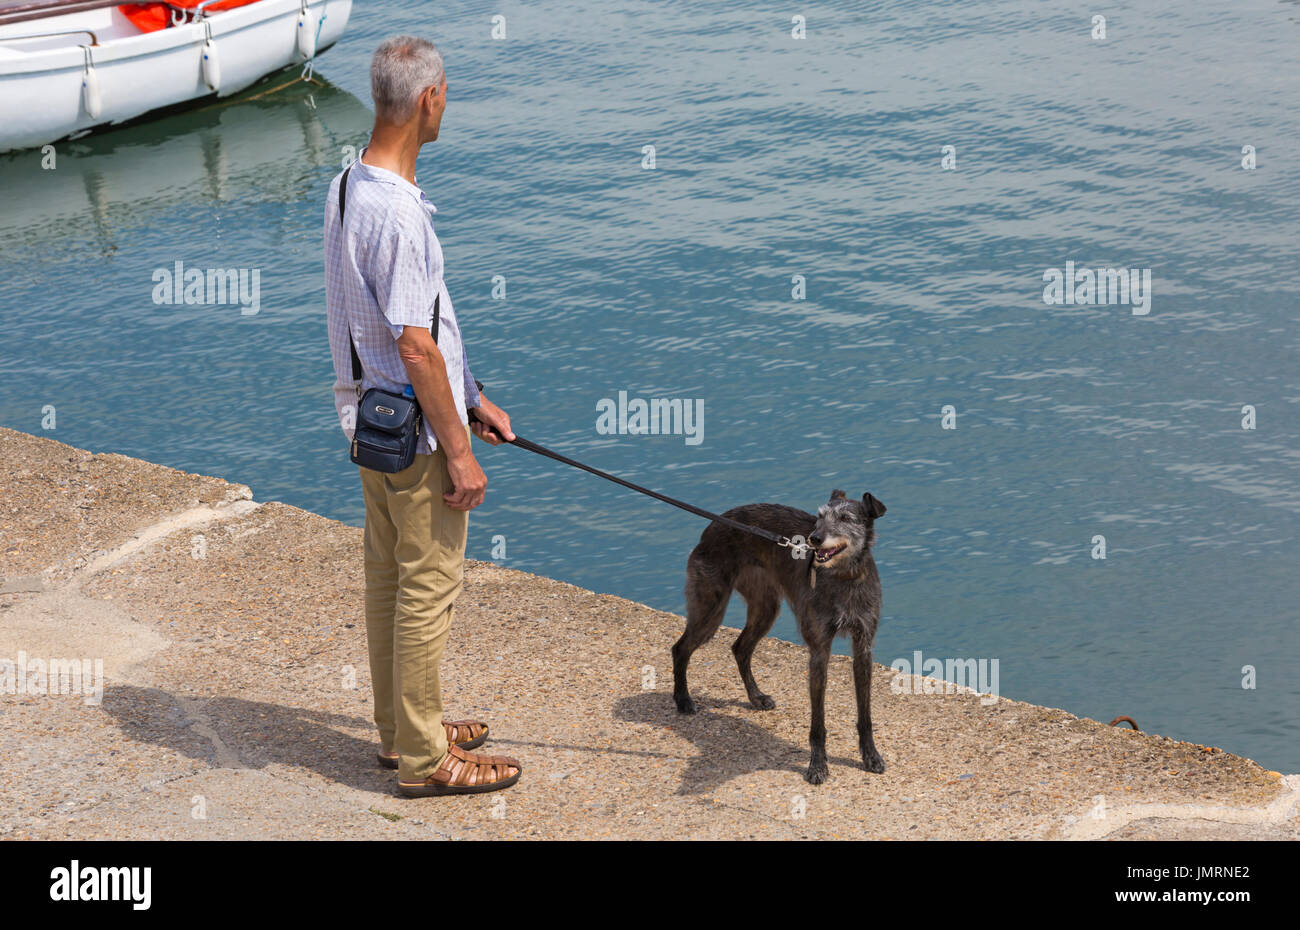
(726, 746)
(258, 733)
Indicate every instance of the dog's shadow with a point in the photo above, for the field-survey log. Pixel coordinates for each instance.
(727, 745)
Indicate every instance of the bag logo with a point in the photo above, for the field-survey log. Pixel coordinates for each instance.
(386, 411)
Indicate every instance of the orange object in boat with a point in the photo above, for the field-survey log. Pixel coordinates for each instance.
(150, 17)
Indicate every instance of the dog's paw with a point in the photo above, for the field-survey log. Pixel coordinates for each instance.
(762, 702)
(874, 763)
(817, 774)
(685, 705)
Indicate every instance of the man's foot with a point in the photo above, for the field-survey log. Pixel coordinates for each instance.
(467, 734)
(464, 772)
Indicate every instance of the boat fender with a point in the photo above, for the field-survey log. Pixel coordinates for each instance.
(90, 96)
(211, 66)
(306, 32)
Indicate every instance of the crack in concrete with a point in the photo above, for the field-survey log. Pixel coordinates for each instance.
(226, 758)
(186, 519)
(1277, 811)
(64, 621)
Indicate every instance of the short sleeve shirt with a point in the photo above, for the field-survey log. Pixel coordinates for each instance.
(383, 269)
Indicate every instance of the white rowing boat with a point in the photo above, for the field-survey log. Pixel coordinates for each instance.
(68, 66)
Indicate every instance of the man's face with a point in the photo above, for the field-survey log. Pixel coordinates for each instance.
(432, 105)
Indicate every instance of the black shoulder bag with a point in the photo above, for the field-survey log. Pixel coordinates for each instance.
(388, 425)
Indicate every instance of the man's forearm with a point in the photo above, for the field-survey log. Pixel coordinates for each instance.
(428, 373)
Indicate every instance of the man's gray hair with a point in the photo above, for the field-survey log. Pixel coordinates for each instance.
(402, 69)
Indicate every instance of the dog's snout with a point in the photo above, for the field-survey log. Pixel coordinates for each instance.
(817, 538)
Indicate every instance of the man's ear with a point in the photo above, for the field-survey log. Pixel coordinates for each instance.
(873, 506)
(429, 98)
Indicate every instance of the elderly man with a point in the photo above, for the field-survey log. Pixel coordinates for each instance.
(383, 281)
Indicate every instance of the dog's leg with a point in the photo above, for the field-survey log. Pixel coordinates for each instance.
(706, 605)
(764, 604)
(819, 656)
(871, 759)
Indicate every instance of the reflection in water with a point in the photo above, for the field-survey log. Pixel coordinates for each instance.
(257, 141)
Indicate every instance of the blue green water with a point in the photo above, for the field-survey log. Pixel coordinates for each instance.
(774, 157)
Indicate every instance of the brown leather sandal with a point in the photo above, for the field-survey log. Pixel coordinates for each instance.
(467, 734)
(464, 772)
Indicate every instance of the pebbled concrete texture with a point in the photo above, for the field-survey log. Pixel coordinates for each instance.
(236, 702)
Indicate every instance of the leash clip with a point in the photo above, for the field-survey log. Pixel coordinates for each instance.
(798, 550)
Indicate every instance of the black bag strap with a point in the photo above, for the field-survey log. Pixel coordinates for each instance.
(437, 298)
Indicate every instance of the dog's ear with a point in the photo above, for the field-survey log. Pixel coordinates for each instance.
(873, 506)
(838, 495)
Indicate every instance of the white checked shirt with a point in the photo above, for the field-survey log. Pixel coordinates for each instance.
(381, 274)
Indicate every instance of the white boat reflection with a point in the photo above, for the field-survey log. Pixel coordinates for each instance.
(260, 143)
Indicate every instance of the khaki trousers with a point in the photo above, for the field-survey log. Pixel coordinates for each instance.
(415, 557)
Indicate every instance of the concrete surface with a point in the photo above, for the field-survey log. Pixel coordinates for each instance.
(236, 697)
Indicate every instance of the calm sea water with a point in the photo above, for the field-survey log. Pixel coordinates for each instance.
(773, 158)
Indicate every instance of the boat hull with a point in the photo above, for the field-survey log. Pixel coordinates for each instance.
(41, 93)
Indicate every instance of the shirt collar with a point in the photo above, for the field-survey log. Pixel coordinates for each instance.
(375, 173)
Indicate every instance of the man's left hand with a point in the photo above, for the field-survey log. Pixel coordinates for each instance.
(493, 423)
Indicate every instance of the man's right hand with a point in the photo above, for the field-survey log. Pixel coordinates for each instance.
(427, 370)
(468, 483)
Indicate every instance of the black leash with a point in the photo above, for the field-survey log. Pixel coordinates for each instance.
(531, 446)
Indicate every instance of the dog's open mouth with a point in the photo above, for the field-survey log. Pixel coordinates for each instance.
(825, 555)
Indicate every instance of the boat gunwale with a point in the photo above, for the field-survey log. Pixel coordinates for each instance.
(224, 23)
